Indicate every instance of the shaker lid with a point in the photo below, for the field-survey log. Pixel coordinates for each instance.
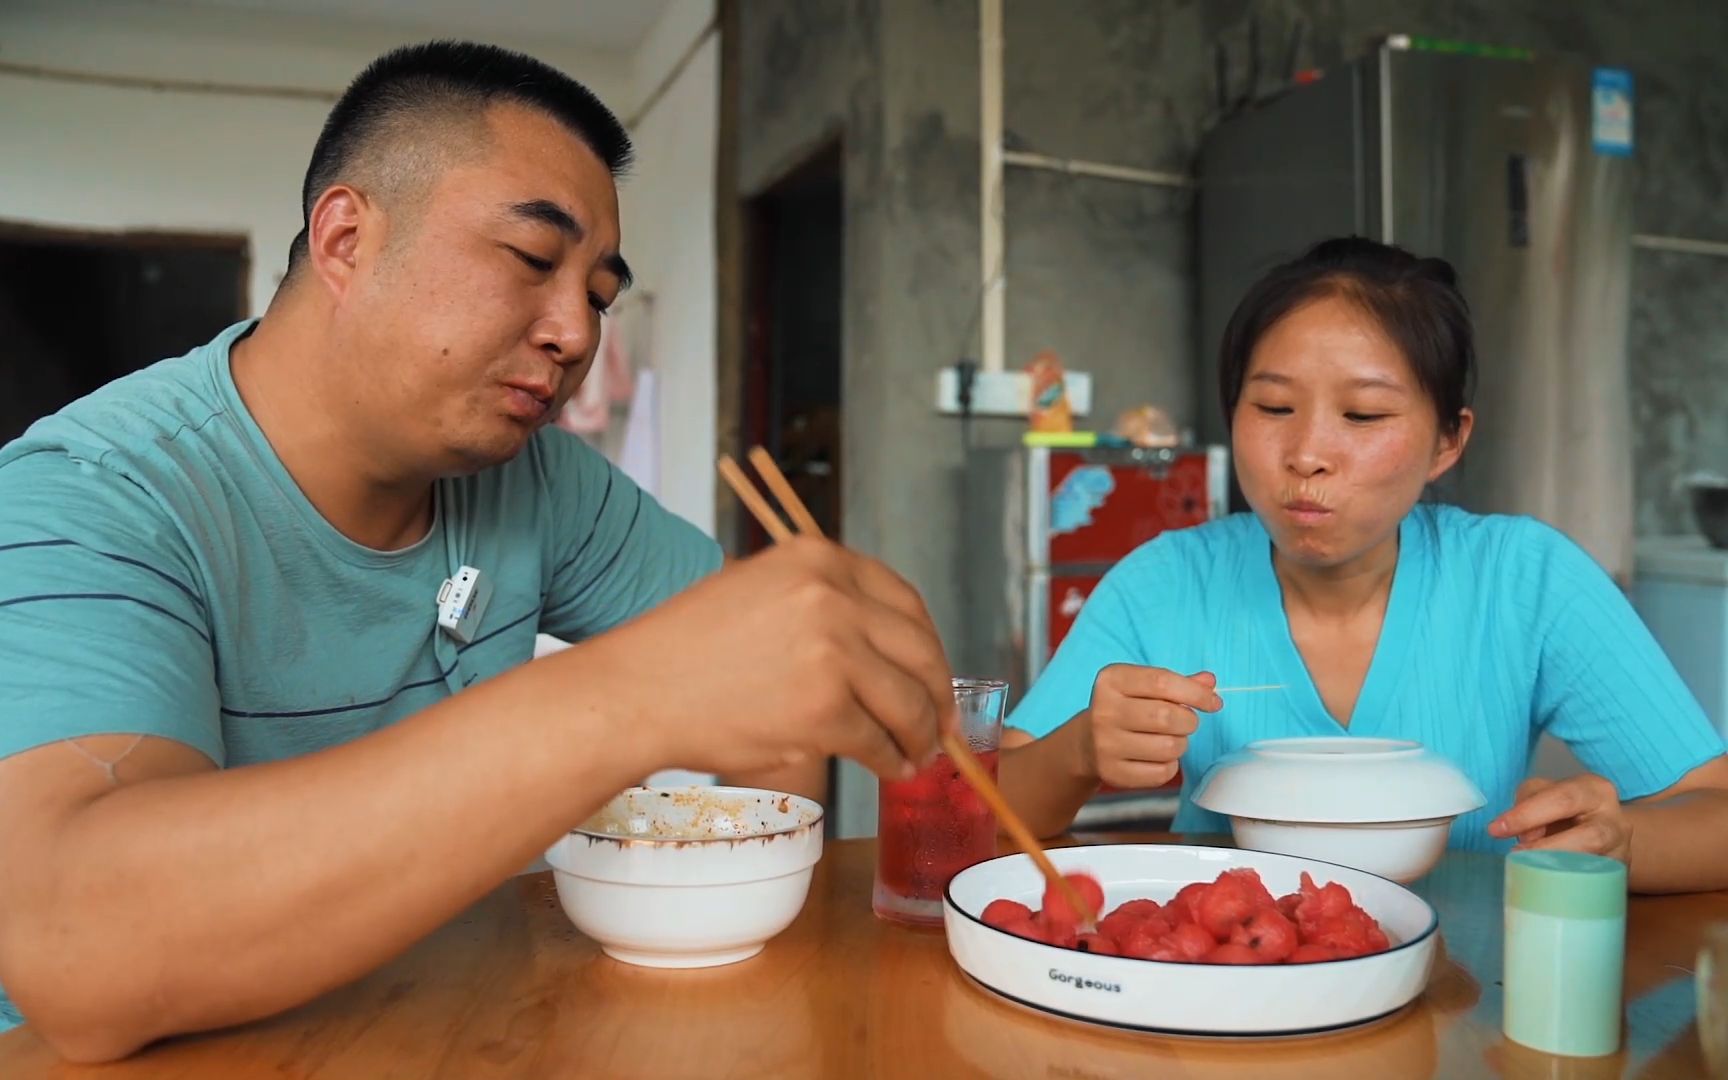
(1568, 884)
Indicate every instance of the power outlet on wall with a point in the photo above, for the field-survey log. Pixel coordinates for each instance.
(1006, 393)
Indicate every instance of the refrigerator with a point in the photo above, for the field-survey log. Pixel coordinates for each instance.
(1043, 526)
(1515, 168)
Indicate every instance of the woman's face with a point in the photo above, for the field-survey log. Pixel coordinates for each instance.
(1333, 436)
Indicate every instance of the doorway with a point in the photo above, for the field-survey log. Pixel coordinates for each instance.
(79, 309)
(792, 368)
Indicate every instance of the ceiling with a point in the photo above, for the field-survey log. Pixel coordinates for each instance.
(602, 25)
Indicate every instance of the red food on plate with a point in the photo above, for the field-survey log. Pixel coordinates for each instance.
(1354, 933)
(1000, 913)
(1313, 954)
(1138, 909)
(1096, 943)
(1319, 903)
(1232, 954)
(1249, 879)
(1123, 929)
(1063, 935)
(1182, 907)
(1226, 905)
(1056, 907)
(1232, 920)
(1134, 913)
(1026, 928)
(1133, 916)
(1117, 926)
(1269, 935)
(1185, 945)
(1143, 938)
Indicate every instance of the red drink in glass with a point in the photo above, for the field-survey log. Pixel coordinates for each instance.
(933, 826)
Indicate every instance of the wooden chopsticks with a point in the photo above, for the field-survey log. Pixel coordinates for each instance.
(973, 770)
(752, 499)
(782, 489)
(970, 767)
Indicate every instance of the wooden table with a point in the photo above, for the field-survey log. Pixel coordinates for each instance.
(510, 989)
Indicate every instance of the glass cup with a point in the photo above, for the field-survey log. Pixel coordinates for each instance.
(933, 826)
(1713, 1001)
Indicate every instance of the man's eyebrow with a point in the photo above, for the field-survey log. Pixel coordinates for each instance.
(547, 212)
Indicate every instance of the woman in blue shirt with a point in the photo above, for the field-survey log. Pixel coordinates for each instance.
(1345, 377)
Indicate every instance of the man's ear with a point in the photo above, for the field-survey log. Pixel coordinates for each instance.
(341, 217)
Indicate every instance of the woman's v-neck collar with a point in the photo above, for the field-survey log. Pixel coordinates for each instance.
(1391, 651)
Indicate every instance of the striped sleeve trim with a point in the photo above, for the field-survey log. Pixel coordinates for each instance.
(117, 557)
(44, 597)
(599, 516)
(623, 542)
(288, 714)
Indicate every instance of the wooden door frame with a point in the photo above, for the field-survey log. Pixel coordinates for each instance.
(141, 240)
(741, 267)
(731, 267)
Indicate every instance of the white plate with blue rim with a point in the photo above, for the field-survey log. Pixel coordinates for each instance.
(1194, 1000)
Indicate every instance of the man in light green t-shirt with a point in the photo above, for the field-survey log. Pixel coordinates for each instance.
(241, 760)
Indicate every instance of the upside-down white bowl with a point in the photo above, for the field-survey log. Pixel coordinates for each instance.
(688, 877)
(1188, 999)
(1381, 805)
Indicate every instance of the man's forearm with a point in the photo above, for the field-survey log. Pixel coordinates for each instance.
(809, 780)
(1679, 843)
(186, 903)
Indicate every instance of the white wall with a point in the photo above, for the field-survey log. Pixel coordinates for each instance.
(105, 157)
(667, 205)
(681, 24)
(668, 211)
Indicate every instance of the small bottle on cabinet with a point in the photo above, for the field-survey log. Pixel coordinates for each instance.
(1565, 952)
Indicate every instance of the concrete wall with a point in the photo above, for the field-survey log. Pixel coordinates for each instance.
(1129, 82)
(1102, 271)
(232, 163)
(196, 162)
(1679, 337)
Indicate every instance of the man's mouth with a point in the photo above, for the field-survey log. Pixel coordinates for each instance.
(529, 401)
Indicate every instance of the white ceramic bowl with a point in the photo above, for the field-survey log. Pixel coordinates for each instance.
(1188, 999)
(688, 877)
(1381, 805)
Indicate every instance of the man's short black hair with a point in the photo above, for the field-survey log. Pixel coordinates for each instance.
(411, 91)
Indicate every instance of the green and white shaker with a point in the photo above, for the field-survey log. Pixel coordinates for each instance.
(1565, 952)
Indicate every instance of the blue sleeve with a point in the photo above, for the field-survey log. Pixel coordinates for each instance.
(615, 552)
(1603, 686)
(1104, 634)
(103, 620)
